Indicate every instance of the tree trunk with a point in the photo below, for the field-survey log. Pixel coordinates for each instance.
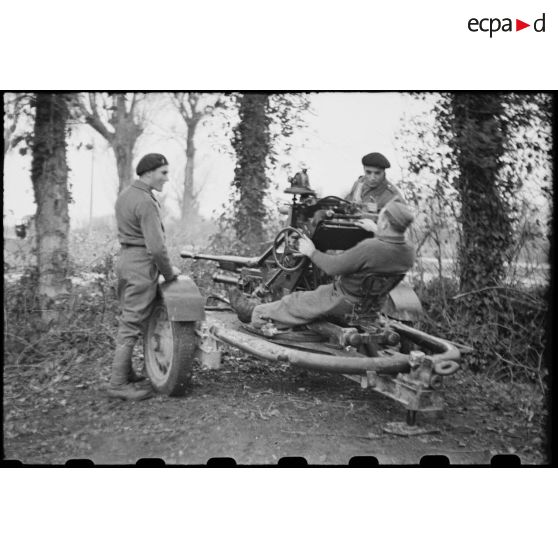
(126, 133)
(189, 205)
(49, 173)
(485, 217)
(124, 154)
(251, 142)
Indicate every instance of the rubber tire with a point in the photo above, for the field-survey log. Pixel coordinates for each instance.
(177, 379)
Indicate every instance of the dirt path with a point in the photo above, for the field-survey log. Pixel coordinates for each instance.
(256, 414)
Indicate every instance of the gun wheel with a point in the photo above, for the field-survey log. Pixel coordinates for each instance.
(289, 259)
(169, 349)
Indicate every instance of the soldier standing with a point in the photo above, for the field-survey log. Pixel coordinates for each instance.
(143, 257)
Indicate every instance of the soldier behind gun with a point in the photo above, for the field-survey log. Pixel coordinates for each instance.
(372, 191)
(142, 259)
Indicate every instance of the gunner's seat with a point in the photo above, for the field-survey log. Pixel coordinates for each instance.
(374, 292)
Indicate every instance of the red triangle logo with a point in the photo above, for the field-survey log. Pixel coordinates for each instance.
(519, 25)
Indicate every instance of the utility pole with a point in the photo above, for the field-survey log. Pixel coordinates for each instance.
(91, 187)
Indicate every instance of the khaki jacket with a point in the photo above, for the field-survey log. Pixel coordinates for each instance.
(139, 223)
(380, 196)
(381, 254)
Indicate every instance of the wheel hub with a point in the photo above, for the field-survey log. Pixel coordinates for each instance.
(161, 345)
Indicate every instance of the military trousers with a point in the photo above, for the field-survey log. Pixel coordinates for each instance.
(302, 307)
(137, 292)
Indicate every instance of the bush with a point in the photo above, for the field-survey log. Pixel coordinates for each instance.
(504, 325)
(84, 328)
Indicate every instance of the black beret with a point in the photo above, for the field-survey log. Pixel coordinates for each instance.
(150, 162)
(375, 160)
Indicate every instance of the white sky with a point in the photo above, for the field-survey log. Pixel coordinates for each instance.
(345, 127)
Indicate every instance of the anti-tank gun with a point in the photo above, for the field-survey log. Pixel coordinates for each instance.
(376, 345)
(331, 223)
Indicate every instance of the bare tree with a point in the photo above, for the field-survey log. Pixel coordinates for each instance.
(193, 108)
(49, 173)
(120, 118)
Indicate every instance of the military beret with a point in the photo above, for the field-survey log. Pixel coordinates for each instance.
(150, 162)
(375, 160)
(398, 215)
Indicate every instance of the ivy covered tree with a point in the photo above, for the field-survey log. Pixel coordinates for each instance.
(488, 157)
(251, 142)
(49, 174)
(479, 141)
(260, 140)
(478, 153)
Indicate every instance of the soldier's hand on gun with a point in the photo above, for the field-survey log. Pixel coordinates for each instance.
(306, 246)
(367, 225)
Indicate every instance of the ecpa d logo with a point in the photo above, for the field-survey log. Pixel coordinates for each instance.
(492, 25)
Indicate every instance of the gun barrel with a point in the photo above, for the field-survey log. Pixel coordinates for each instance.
(223, 278)
(342, 216)
(235, 261)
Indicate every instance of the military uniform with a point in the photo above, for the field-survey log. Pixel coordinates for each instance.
(143, 257)
(378, 197)
(382, 254)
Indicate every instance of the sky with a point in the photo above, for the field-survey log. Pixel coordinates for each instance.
(342, 128)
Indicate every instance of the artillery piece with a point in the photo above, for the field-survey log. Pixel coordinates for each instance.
(376, 346)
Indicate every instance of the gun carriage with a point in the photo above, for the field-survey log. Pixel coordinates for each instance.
(376, 345)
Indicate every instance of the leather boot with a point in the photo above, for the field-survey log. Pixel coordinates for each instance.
(120, 387)
(129, 392)
(140, 381)
(134, 378)
(242, 305)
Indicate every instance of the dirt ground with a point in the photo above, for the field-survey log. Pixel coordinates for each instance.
(257, 413)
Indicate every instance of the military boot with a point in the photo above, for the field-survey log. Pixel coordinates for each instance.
(141, 380)
(242, 305)
(120, 387)
(138, 379)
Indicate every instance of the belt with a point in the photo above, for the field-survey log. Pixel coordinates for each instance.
(124, 245)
